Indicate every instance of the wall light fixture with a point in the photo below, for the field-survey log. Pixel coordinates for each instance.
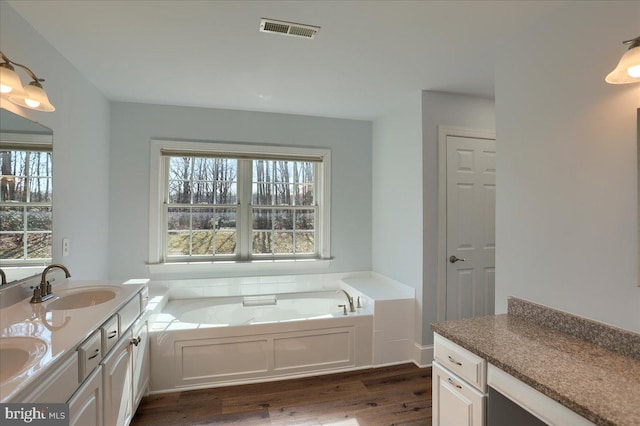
(31, 96)
(628, 69)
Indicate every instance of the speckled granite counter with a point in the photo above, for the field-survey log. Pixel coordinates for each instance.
(597, 374)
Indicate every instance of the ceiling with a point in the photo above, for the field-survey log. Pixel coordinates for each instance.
(367, 55)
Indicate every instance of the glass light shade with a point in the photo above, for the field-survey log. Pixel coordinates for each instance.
(628, 69)
(10, 83)
(34, 98)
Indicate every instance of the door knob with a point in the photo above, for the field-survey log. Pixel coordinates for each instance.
(454, 259)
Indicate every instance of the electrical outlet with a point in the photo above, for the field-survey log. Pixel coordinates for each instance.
(65, 247)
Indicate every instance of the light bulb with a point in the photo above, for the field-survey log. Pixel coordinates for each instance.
(634, 71)
(5, 89)
(32, 103)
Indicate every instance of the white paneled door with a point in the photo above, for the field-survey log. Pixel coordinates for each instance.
(470, 239)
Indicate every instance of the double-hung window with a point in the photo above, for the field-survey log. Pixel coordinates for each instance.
(25, 204)
(214, 202)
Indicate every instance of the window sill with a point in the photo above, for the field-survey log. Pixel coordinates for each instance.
(254, 266)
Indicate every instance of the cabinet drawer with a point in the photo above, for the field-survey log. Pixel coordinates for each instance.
(109, 333)
(89, 354)
(461, 362)
(129, 313)
(455, 402)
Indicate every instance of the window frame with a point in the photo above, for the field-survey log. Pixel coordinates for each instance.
(158, 263)
(29, 143)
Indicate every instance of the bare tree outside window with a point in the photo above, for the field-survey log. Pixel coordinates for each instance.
(25, 206)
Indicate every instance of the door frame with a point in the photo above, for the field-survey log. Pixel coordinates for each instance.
(444, 132)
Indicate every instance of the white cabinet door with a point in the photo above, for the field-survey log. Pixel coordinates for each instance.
(140, 362)
(455, 403)
(85, 406)
(117, 389)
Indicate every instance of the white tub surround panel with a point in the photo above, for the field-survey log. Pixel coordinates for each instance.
(244, 347)
(191, 356)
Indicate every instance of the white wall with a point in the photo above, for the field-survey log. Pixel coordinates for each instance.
(397, 197)
(566, 172)
(440, 109)
(133, 126)
(81, 145)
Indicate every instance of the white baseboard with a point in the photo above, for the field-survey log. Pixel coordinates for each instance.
(422, 355)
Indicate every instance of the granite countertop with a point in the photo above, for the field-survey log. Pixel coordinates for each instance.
(61, 331)
(597, 377)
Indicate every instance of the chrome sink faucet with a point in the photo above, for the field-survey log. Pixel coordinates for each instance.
(42, 293)
(349, 298)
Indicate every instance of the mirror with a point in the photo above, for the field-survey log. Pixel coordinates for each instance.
(25, 196)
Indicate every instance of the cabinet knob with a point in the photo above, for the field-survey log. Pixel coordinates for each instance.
(135, 341)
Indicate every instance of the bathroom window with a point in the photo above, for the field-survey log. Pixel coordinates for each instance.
(25, 206)
(230, 202)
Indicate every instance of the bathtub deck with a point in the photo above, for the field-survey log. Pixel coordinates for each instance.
(397, 395)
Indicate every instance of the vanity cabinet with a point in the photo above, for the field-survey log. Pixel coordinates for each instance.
(85, 406)
(117, 384)
(459, 385)
(103, 378)
(140, 357)
(125, 373)
(58, 386)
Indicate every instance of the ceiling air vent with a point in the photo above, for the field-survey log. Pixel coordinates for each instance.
(288, 28)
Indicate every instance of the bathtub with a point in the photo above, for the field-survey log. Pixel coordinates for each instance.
(218, 341)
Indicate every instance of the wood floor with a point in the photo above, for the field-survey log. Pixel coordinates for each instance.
(396, 395)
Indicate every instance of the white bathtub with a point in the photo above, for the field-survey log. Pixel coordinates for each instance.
(197, 343)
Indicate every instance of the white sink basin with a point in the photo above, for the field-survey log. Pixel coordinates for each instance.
(18, 354)
(82, 298)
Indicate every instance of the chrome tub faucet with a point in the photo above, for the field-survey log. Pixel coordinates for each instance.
(349, 298)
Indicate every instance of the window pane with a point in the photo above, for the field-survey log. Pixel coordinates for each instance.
(304, 243)
(202, 192)
(262, 219)
(178, 243)
(40, 164)
(226, 193)
(178, 218)
(262, 171)
(226, 242)
(39, 219)
(305, 219)
(11, 219)
(39, 246)
(180, 168)
(283, 243)
(202, 243)
(282, 194)
(13, 188)
(11, 246)
(262, 194)
(304, 195)
(202, 218)
(14, 163)
(283, 219)
(40, 190)
(261, 242)
(180, 191)
(283, 171)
